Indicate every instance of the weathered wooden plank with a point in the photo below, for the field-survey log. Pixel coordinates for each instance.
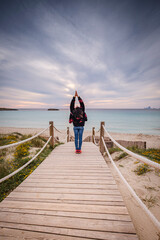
(76, 162)
(69, 185)
(68, 170)
(70, 166)
(65, 207)
(64, 196)
(34, 232)
(73, 176)
(74, 173)
(66, 190)
(70, 201)
(75, 181)
(88, 215)
(68, 222)
(86, 155)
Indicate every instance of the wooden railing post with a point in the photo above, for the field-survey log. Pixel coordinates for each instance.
(93, 134)
(51, 129)
(101, 147)
(67, 134)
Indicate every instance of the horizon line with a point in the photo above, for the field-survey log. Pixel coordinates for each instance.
(145, 108)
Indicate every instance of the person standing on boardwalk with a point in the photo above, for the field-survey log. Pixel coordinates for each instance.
(78, 117)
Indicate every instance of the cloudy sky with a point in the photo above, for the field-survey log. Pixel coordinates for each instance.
(108, 50)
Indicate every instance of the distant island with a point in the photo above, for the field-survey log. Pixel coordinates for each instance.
(8, 109)
(150, 108)
(53, 109)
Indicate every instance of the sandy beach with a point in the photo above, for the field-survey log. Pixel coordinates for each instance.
(152, 141)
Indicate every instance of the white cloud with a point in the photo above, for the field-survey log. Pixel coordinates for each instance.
(99, 55)
(17, 94)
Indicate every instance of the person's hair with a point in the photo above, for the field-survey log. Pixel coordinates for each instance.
(78, 112)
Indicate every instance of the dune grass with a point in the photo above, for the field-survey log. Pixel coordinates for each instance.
(150, 153)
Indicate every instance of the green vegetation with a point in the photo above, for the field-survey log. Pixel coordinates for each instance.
(18, 156)
(136, 162)
(151, 153)
(112, 150)
(149, 201)
(121, 165)
(150, 188)
(5, 139)
(122, 155)
(141, 169)
(37, 142)
(22, 150)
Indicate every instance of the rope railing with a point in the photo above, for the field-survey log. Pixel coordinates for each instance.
(57, 140)
(151, 216)
(31, 160)
(94, 141)
(23, 141)
(93, 136)
(140, 158)
(58, 130)
(98, 131)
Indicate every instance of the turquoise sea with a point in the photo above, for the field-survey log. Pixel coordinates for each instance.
(116, 120)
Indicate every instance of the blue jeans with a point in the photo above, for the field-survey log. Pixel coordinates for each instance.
(78, 133)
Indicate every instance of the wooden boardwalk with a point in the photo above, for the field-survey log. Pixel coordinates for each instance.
(68, 197)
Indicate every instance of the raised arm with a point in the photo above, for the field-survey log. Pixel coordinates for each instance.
(72, 104)
(81, 103)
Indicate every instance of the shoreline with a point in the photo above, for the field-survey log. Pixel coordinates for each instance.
(152, 141)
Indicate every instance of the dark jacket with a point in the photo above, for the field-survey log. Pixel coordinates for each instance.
(77, 122)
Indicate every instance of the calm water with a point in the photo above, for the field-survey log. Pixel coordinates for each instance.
(127, 121)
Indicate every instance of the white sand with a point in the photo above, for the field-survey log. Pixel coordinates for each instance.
(147, 186)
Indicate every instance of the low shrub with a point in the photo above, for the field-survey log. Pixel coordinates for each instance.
(151, 153)
(112, 150)
(5, 169)
(22, 150)
(141, 169)
(121, 165)
(122, 155)
(150, 201)
(3, 152)
(36, 142)
(25, 136)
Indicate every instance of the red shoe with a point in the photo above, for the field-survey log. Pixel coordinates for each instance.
(80, 151)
